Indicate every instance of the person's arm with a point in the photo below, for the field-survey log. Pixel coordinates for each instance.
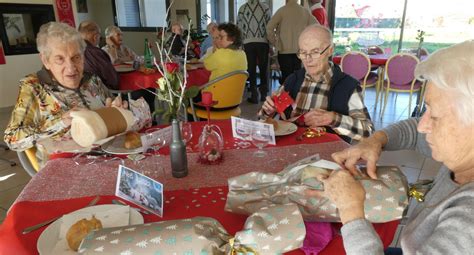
(25, 126)
(359, 237)
(272, 26)
(212, 61)
(357, 124)
(403, 135)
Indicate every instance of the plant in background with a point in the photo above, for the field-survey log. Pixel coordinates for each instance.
(172, 86)
(420, 36)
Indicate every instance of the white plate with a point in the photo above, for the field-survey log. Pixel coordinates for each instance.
(116, 147)
(49, 238)
(285, 128)
(124, 68)
(129, 62)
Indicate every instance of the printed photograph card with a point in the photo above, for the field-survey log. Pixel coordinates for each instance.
(140, 190)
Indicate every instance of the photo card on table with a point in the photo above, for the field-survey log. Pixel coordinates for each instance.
(140, 190)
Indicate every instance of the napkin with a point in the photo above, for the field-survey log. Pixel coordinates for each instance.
(386, 197)
(117, 216)
(271, 230)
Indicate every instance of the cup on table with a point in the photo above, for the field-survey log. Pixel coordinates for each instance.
(186, 132)
(158, 141)
(260, 138)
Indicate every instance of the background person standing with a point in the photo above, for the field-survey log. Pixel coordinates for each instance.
(252, 20)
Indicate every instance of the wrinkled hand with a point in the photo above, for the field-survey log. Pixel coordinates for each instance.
(347, 194)
(117, 102)
(367, 149)
(268, 106)
(318, 118)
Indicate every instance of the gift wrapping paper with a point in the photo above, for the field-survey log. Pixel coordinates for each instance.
(271, 230)
(386, 198)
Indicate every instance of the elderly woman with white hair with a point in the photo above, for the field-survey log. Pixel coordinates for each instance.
(442, 224)
(118, 52)
(47, 97)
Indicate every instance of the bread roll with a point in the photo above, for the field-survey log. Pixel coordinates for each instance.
(132, 140)
(79, 230)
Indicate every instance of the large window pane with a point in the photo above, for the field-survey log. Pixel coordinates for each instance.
(141, 13)
(360, 24)
(445, 23)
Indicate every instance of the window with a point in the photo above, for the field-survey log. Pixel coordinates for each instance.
(140, 14)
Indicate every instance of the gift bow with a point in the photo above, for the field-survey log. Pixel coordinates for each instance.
(271, 230)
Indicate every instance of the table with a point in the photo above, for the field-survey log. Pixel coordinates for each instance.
(66, 187)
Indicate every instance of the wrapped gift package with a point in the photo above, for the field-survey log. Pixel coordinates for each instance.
(90, 126)
(271, 230)
(386, 197)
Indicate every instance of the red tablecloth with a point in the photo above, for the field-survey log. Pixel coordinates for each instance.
(66, 187)
(137, 80)
(377, 59)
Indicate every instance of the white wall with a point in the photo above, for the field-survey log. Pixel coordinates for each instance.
(17, 66)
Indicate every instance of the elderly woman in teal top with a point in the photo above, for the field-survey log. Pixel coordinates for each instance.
(228, 56)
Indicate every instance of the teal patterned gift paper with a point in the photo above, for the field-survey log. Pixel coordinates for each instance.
(386, 197)
(272, 230)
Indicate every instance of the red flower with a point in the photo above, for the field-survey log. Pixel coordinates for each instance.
(171, 67)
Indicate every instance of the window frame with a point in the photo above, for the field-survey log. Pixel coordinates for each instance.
(139, 29)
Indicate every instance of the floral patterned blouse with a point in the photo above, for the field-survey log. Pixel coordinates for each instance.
(41, 103)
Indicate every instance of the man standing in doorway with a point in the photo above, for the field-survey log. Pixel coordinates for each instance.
(283, 31)
(252, 20)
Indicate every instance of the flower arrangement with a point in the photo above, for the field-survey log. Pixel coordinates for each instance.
(172, 86)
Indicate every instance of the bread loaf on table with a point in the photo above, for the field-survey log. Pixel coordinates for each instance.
(90, 126)
(79, 230)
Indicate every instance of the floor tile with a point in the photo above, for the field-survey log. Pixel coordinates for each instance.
(404, 158)
(20, 178)
(9, 196)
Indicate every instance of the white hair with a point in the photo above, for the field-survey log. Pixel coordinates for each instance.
(452, 69)
(111, 31)
(314, 27)
(57, 30)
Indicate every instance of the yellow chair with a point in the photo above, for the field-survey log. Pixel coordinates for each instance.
(28, 160)
(228, 91)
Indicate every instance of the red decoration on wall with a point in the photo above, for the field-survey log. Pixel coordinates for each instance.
(65, 13)
(2, 55)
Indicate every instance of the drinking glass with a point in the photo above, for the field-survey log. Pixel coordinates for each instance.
(243, 131)
(158, 141)
(260, 138)
(186, 132)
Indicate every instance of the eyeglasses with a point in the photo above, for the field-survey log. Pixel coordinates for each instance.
(312, 54)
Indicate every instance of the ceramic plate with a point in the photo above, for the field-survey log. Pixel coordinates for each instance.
(50, 236)
(124, 68)
(129, 62)
(285, 128)
(117, 147)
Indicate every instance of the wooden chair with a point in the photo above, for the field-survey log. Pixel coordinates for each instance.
(228, 90)
(28, 161)
(400, 77)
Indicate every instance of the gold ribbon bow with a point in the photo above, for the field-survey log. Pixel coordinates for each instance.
(240, 249)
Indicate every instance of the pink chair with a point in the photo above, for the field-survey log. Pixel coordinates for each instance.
(400, 77)
(357, 65)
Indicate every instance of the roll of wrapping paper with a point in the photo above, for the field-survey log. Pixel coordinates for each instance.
(271, 230)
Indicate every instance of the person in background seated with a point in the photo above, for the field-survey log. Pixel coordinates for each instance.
(319, 12)
(47, 97)
(177, 42)
(442, 223)
(323, 94)
(229, 56)
(97, 61)
(118, 52)
(209, 42)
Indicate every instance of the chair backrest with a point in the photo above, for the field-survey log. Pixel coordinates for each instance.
(356, 64)
(28, 160)
(374, 49)
(228, 89)
(400, 68)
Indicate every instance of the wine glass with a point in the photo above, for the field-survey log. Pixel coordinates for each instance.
(157, 140)
(186, 132)
(260, 138)
(244, 131)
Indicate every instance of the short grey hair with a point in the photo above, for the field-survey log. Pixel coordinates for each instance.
(111, 31)
(211, 25)
(452, 69)
(57, 30)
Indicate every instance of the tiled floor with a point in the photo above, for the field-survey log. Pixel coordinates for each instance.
(415, 166)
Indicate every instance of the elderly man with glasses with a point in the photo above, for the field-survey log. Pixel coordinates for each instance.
(324, 95)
